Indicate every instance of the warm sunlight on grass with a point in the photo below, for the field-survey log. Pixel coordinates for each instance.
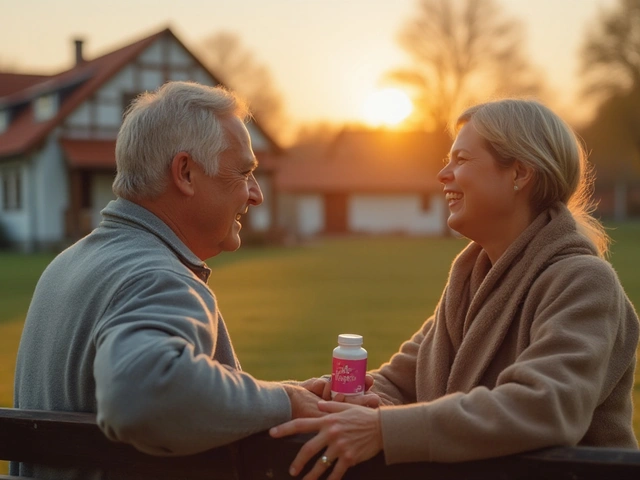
(387, 107)
(284, 307)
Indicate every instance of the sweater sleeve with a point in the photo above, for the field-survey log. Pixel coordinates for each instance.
(395, 381)
(158, 386)
(582, 343)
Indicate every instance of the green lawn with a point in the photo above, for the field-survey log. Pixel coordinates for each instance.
(285, 306)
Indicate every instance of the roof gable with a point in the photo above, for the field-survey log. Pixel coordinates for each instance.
(75, 86)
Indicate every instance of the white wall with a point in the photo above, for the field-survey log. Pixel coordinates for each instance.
(310, 215)
(50, 193)
(16, 222)
(260, 216)
(301, 215)
(394, 214)
(40, 221)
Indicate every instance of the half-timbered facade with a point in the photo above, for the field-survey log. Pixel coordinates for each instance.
(57, 138)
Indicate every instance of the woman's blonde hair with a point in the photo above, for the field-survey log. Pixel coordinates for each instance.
(527, 131)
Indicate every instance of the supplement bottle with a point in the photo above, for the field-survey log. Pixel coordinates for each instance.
(349, 366)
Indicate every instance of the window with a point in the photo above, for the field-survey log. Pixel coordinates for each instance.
(127, 98)
(45, 107)
(11, 190)
(4, 120)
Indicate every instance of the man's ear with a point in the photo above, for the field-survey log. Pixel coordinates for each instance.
(182, 173)
(523, 174)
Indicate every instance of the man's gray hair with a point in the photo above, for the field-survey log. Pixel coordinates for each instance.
(178, 117)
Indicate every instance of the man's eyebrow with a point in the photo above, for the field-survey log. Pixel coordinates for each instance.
(253, 164)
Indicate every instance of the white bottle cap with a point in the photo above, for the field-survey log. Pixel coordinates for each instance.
(349, 339)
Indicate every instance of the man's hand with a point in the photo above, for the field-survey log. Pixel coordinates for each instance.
(303, 402)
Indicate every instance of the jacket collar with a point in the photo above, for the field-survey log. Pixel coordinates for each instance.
(125, 211)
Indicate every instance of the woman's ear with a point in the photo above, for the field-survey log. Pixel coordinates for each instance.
(523, 174)
(182, 173)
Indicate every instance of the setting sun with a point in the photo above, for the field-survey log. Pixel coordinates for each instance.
(389, 107)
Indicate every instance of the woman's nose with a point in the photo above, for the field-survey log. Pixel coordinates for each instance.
(444, 175)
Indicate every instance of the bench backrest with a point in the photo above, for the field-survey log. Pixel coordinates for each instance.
(73, 439)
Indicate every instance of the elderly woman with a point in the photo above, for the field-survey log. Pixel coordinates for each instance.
(533, 342)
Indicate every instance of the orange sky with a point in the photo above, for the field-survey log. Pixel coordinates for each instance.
(326, 56)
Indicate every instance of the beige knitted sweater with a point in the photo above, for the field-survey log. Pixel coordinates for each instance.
(538, 350)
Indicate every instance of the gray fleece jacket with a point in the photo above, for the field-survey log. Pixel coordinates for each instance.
(123, 324)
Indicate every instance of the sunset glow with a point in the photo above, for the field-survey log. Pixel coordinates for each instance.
(387, 107)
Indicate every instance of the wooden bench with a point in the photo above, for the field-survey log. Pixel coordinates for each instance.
(74, 440)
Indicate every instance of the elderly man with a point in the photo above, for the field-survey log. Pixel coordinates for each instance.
(123, 323)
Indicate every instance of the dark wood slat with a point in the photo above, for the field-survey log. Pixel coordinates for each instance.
(262, 457)
(64, 439)
(74, 440)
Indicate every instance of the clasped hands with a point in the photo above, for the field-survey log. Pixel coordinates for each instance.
(348, 427)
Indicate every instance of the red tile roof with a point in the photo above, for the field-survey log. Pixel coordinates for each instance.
(14, 82)
(368, 161)
(25, 133)
(90, 154)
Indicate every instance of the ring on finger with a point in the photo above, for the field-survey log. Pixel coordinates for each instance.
(325, 461)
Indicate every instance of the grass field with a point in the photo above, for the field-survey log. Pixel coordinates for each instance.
(284, 307)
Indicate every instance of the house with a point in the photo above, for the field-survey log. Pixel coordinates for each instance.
(57, 139)
(366, 182)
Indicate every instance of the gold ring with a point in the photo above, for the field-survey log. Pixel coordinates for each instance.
(324, 459)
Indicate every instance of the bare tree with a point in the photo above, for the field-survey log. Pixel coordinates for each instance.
(611, 51)
(610, 63)
(225, 55)
(462, 51)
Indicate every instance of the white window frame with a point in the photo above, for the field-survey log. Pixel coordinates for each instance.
(45, 107)
(11, 190)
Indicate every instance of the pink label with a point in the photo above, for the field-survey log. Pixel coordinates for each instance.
(348, 376)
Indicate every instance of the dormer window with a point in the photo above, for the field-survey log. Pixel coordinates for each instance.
(45, 107)
(4, 121)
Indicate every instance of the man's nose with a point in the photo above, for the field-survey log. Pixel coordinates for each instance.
(255, 192)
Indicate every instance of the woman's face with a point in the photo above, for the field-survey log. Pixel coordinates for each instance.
(479, 192)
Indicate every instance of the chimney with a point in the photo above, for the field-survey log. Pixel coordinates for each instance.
(78, 46)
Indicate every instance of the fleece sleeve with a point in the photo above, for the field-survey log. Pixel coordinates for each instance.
(582, 343)
(157, 384)
(395, 381)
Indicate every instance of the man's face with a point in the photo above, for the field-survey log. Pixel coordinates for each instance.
(221, 200)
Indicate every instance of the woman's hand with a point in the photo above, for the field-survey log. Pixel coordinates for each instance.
(322, 388)
(349, 435)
